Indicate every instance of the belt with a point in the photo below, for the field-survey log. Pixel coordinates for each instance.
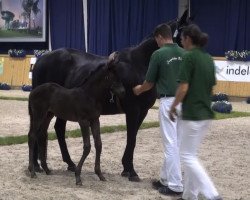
(166, 95)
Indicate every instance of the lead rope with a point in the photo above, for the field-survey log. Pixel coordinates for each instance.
(118, 103)
(112, 97)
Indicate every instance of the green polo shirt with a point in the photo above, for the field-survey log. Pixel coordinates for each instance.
(197, 69)
(164, 68)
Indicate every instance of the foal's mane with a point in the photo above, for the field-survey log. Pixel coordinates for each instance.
(92, 74)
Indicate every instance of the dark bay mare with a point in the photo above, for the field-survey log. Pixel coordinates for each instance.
(68, 67)
(82, 104)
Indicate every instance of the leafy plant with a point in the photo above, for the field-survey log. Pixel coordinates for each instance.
(39, 53)
(20, 53)
(238, 55)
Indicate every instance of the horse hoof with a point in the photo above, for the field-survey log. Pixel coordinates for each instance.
(33, 175)
(134, 179)
(125, 174)
(48, 172)
(38, 169)
(79, 183)
(102, 178)
(72, 168)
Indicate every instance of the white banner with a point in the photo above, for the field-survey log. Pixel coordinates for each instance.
(237, 71)
(32, 62)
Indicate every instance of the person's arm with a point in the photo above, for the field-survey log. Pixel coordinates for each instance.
(143, 88)
(179, 96)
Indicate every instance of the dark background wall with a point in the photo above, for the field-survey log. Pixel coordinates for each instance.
(226, 21)
(116, 24)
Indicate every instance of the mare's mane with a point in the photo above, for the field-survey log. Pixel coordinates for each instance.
(148, 43)
(145, 46)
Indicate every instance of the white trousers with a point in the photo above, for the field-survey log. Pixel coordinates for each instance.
(196, 179)
(170, 174)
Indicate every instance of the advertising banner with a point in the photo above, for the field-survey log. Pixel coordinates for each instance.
(237, 71)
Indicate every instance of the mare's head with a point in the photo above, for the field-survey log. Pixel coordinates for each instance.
(111, 77)
(177, 26)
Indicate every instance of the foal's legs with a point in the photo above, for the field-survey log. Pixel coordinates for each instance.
(86, 150)
(95, 128)
(43, 141)
(42, 149)
(35, 120)
(35, 159)
(60, 133)
(31, 143)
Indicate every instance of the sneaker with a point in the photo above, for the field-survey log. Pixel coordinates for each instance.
(157, 184)
(166, 191)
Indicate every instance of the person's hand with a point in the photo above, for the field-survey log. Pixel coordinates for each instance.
(172, 113)
(136, 90)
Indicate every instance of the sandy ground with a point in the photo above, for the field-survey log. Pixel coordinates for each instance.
(224, 152)
(15, 118)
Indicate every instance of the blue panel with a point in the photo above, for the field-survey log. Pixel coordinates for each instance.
(117, 24)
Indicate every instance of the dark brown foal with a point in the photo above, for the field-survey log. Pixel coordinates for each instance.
(81, 104)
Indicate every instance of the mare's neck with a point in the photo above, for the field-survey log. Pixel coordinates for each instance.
(143, 52)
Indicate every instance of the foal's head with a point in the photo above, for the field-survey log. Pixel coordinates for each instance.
(111, 76)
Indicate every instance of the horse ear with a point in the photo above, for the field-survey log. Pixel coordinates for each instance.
(184, 17)
(113, 59)
(191, 18)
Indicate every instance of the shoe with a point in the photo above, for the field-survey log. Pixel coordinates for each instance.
(166, 191)
(157, 184)
(180, 199)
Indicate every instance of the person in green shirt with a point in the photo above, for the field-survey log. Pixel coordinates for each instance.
(196, 80)
(162, 72)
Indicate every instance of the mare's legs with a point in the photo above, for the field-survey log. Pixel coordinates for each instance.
(86, 150)
(134, 119)
(95, 128)
(60, 126)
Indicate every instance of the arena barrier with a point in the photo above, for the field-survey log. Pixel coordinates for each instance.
(233, 78)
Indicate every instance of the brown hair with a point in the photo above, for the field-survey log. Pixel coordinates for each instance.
(197, 36)
(164, 30)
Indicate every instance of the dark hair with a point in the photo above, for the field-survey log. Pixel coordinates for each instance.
(194, 32)
(164, 30)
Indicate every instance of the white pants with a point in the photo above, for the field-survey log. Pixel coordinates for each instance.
(196, 179)
(170, 174)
